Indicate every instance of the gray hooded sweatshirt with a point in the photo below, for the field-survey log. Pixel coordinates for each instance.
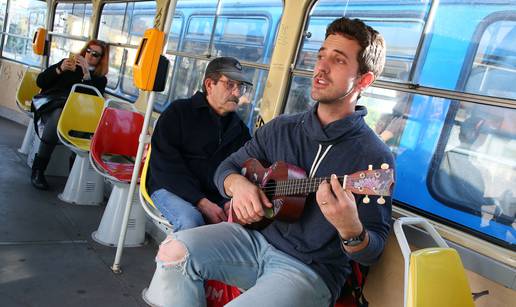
(342, 147)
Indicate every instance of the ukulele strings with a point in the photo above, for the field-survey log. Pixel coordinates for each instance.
(298, 185)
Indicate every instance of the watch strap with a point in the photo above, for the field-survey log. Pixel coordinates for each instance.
(354, 240)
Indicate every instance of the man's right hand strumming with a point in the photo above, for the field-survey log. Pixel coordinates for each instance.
(248, 200)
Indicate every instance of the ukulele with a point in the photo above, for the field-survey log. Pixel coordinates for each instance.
(287, 186)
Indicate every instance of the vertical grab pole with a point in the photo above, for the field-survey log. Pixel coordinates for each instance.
(143, 139)
(44, 57)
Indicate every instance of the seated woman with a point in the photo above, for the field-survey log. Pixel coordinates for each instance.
(88, 67)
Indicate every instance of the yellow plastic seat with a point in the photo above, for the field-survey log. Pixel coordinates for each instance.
(79, 119)
(146, 200)
(437, 278)
(433, 276)
(27, 89)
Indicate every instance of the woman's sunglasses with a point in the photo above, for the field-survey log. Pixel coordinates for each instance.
(93, 53)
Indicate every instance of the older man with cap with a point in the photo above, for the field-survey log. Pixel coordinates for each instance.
(191, 138)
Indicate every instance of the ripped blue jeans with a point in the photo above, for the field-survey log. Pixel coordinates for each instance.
(241, 257)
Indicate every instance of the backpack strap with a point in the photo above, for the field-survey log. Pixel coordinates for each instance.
(357, 279)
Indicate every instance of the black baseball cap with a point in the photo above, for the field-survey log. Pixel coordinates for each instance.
(228, 66)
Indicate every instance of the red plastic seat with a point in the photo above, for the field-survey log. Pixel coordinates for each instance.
(112, 153)
(115, 143)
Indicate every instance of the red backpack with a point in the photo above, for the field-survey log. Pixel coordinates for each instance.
(219, 294)
(352, 293)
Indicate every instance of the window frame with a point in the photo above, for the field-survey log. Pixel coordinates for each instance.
(4, 34)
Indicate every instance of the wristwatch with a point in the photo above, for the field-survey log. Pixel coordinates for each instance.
(354, 241)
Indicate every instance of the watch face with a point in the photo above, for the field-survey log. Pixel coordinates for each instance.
(353, 241)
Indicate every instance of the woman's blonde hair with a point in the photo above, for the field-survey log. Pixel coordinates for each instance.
(103, 65)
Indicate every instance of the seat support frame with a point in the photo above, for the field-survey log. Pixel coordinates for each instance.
(109, 229)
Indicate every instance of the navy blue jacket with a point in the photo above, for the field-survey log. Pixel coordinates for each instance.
(295, 139)
(188, 144)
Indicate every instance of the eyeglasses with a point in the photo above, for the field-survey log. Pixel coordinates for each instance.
(231, 85)
(93, 53)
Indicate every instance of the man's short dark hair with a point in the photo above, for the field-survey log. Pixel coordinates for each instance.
(372, 56)
(215, 76)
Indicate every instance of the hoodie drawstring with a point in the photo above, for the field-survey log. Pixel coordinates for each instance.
(318, 159)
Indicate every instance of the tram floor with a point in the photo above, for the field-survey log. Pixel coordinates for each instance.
(47, 256)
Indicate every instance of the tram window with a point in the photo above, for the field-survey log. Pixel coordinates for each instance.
(454, 33)
(139, 24)
(299, 99)
(24, 17)
(127, 80)
(124, 23)
(241, 38)
(243, 30)
(173, 35)
(61, 47)
(198, 34)
(190, 77)
(117, 55)
(69, 19)
(72, 18)
(112, 23)
(494, 67)
(172, 45)
(3, 8)
(401, 49)
(314, 36)
(476, 169)
(3, 11)
(249, 39)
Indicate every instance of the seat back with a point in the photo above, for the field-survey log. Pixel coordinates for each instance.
(80, 117)
(27, 89)
(145, 200)
(437, 278)
(433, 276)
(115, 142)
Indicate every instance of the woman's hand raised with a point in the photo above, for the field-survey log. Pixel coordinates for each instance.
(67, 64)
(81, 61)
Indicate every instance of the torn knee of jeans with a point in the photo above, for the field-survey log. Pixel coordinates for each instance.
(172, 253)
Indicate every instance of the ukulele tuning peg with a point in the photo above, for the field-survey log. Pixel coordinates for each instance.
(384, 166)
(366, 200)
(381, 200)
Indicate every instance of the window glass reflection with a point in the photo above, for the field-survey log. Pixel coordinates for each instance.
(24, 17)
(477, 170)
(494, 68)
(401, 49)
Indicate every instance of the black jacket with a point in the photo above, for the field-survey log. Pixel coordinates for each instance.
(53, 84)
(188, 144)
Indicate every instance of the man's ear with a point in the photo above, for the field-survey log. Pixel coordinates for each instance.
(365, 80)
(208, 84)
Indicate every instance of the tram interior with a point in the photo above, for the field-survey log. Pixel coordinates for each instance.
(48, 256)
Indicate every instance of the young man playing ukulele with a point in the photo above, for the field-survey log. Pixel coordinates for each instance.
(303, 263)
